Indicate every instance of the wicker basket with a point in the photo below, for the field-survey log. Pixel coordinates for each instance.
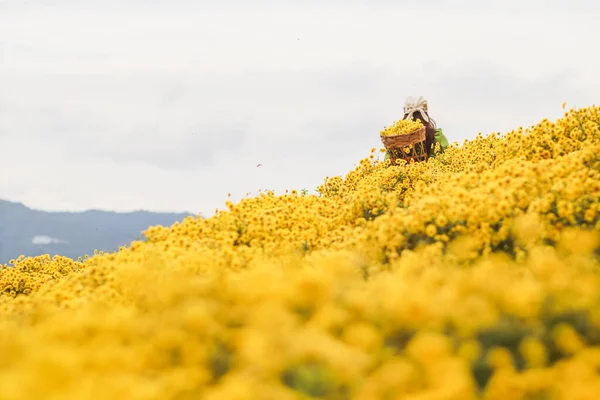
(414, 141)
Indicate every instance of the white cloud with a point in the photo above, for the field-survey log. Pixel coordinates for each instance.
(43, 240)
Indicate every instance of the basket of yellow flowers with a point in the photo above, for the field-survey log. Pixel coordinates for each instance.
(405, 139)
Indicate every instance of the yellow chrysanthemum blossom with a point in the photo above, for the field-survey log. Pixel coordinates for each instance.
(402, 127)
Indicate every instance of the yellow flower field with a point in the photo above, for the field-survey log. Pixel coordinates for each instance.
(472, 276)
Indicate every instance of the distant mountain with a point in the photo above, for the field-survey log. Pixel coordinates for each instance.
(72, 234)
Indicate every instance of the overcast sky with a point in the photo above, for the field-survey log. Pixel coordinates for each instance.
(170, 105)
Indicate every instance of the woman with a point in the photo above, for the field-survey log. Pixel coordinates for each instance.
(417, 108)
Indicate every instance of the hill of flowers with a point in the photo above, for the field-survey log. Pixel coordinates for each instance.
(474, 275)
